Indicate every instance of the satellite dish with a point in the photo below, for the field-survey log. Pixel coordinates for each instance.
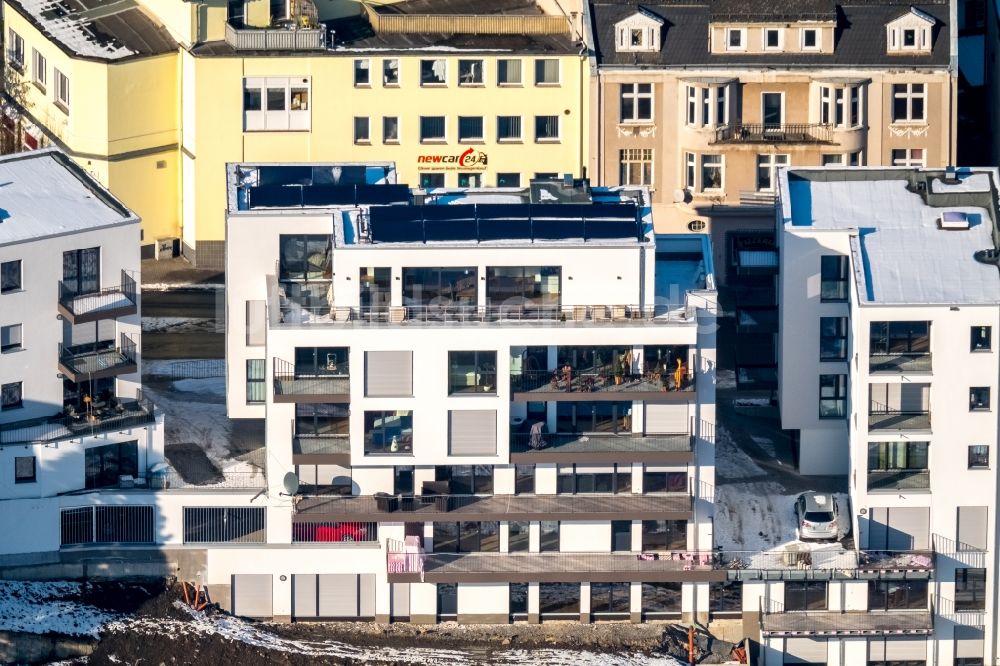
(291, 483)
(681, 196)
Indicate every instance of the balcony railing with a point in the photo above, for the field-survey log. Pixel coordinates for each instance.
(577, 443)
(108, 303)
(823, 564)
(478, 24)
(335, 532)
(903, 362)
(773, 133)
(601, 381)
(292, 313)
(291, 385)
(113, 416)
(899, 479)
(276, 39)
(776, 620)
(883, 418)
(97, 360)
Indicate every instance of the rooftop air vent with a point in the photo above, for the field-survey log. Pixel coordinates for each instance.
(953, 220)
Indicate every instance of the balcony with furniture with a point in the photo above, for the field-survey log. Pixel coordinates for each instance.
(897, 347)
(98, 416)
(284, 35)
(755, 134)
(541, 447)
(328, 382)
(98, 360)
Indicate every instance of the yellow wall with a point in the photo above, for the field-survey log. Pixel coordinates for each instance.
(217, 136)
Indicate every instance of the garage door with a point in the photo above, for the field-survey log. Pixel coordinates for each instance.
(400, 593)
(666, 419)
(304, 595)
(252, 595)
(805, 651)
(333, 596)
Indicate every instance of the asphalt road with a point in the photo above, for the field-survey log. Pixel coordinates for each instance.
(190, 303)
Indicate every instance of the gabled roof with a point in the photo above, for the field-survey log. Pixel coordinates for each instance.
(919, 13)
(644, 14)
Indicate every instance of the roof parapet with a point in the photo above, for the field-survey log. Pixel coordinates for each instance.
(466, 24)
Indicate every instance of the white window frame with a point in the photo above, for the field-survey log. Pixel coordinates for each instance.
(473, 139)
(61, 89)
(367, 138)
(770, 162)
(640, 156)
(909, 96)
(434, 84)
(511, 84)
(441, 139)
(763, 39)
(363, 64)
(784, 108)
(519, 138)
(832, 159)
(743, 39)
(722, 172)
(829, 105)
(921, 39)
(385, 68)
(482, 73)
(701, 105)
(399, 131)
(636, 96)
(283, 120)
(690, 171)
(548, 139)
(39, 69)
(547, 84)
(15, 49)
(802, 39)
(13, 331)
(907, 159)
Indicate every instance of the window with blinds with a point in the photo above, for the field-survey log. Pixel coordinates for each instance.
(256, 380)
(388, 373)
(508, 128)
(472, 432)
(508, 72)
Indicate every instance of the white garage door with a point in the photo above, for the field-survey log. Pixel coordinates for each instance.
(252, 595)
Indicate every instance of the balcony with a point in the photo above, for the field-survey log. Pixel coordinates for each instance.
(912, 362)
(757, 133)
(291, 385)
(287, 37)
(834, 564)
(77, 307)
(316, 450)
(430, 507)
(404, 564)
(597, 448)
(113, 416)
(775, 622)
(97, 360)
(602, 385)
(896, 419)
(899, 479)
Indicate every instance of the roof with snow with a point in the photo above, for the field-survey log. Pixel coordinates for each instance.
(43, 193)
(97, 29)
(915, 233)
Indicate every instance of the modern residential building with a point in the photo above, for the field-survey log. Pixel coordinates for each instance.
(501, 398)
(889, 296)
(456, 93)
(703, 102)
(73, 420)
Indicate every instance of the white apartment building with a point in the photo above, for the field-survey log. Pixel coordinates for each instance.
(889, 297)
(73, 421)
(496, 409)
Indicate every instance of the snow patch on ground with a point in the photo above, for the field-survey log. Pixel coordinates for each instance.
(235, 629)
(730, 461)
(41, 608)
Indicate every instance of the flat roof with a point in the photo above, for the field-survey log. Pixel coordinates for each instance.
(902, 256)
(97, 29)
(43, 193)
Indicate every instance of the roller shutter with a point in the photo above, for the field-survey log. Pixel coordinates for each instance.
(252, 595)
(303, 595)
(876, 528)
(400, 600)
(972, 527)
(388, 373)
(909, 528)
(901, 649)
(366, 594)
(805, 651)
(338, 595)
(256, 323)
(914, 397)
(969, 642)
(666, 419)
(472, 432)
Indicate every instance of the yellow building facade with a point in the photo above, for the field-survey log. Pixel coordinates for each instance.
(498, 104)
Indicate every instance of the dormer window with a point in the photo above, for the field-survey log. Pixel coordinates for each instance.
(810, 39)
(736, 39)
(910, 33)
(639, 32)
(772, 39)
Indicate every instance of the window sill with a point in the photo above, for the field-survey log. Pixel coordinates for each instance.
(12, 350)
(510, 85)
(473, 142)
(473, 394)
(18, 482)
(62, 107)
(434, 142)
(979, 468)
(362, 143)
(390, 85)
(5, 292)
(548, 141)
(387, 142)
(40, 86)
(471, 85)
(433, 85)
(909, 123)
(17, 67)
(510, 141)
(971, 351)
(548, 85)
(362, 85)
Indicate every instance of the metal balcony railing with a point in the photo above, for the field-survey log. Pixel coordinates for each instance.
(114, 415)
(604, 380)
(108, 302)
(126, 524)
(885, 418)
(777, 619)
(901, 362)
(290, 383)
(899, 479)
(335, 532)
(276, 39)
(773, 133)
(525, 442)
(98, 359)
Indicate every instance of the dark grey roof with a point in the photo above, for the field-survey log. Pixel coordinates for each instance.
(860, 35)
(477, 7)
(773, 10)
(103, 30)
